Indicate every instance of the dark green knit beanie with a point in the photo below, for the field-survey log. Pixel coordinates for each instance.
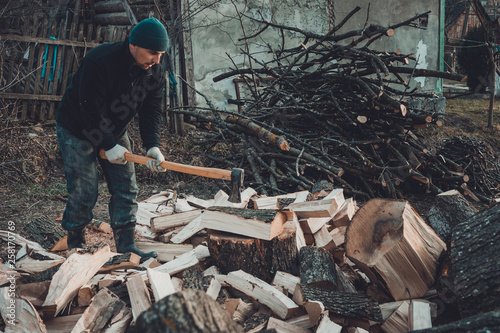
(149, 34)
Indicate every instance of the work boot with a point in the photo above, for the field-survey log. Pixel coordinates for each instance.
(125, 242)
(76, 239)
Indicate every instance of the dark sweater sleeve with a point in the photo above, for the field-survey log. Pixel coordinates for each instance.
(150, 115)
(92, 102)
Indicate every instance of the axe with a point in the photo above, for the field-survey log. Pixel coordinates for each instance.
(235, 175)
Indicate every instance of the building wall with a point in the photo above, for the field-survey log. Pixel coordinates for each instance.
(216, 30)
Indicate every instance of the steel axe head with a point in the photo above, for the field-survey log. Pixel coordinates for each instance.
(237, 176)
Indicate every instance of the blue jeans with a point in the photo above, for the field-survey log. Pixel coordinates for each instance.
(80, 160)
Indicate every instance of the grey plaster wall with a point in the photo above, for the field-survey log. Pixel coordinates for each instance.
(216, 31)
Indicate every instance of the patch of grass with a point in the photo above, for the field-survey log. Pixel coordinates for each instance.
(44, 191)
(475, 109)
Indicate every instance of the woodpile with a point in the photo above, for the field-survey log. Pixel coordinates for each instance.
(334, 265)
(335, 109)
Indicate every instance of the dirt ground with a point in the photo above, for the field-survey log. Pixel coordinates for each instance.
(32, 179)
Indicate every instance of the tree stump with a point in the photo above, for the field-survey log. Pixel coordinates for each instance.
(394, 247)
(448, 210)
(257, 257)
(188, 311)
(475, 266)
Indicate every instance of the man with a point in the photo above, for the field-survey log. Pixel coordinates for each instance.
(113, 83)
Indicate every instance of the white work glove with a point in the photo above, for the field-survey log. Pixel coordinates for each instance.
(116, 155)
(152, 165)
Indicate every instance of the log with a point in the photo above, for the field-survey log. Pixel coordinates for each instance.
(350, 305)
(261, 258)
(449, 209)
(139, 295)
(48, 233)
(326, 325)
(105, 305)
(262, 224)
(162, 223)
(190, 310)
(262, 291)
(286, 281)
(475, 270)
(161, 283)
(18, 314)
(70, 277)
(394, 247)
(484, 322)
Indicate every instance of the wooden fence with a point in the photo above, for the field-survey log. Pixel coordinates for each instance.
(34, 69)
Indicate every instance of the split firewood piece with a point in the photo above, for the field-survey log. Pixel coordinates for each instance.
(257, 223)
(419, 316)
(120, 322)
(301, 321)
(194, 278)
(29, 264)
(162, 223)
(19, 315)
(261, 258)
(313, 224)
(239, 310)
(256, 322)
(161, 283)
(190, 310)
(258, 289)
(475, 269)
(48, 233)
(104, 306)
(139, 295)
(272, 202)
(315, 208)
(323, 239)
(71, 276)
(345, 213)
(156, 208)
(45, 275)
(121, 261)
(283, 326)
(449, 209)
(178, 264)
(199, 203)
(350, 305)
(101, 226)
(166, 252)
(161, 197)
(286, 281)
(317, 268)
(389, 240)
(30, 246)
(326, 325)
(8, 273)
(299, 233)
(144, 216)
(338, 235)
(191, 229)
(62, 324)
(398, 319)
(85, 294)
(181, 206)
(35, 292)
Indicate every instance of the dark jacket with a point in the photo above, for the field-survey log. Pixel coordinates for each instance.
(106, 92)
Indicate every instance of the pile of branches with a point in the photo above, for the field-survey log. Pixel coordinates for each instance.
(335, 111)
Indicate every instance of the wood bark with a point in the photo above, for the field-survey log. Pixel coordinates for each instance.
(393, 245)
(260, 258)
(475, 268)
(48, 233)
(188, 311)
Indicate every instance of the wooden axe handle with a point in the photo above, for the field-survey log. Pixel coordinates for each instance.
(190, 169)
